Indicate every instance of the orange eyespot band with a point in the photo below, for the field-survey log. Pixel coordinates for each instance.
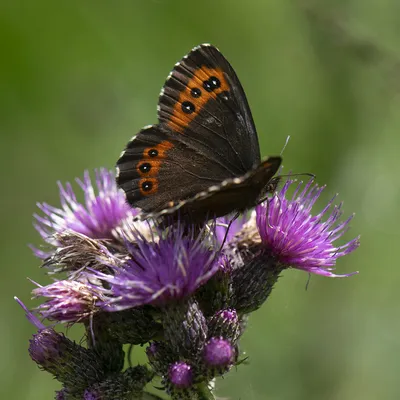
(206, 84)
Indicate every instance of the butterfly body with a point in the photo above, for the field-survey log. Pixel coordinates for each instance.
(203, 158)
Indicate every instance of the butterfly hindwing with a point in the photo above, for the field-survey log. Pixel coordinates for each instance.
(156, 168)
(234, 194)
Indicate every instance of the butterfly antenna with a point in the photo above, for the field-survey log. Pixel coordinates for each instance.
(286, 143)
(313, 176)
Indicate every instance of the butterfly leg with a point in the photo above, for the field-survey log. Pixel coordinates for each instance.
(235, 217)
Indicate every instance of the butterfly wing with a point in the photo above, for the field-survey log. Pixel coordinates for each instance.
(205, 143)
(156, 169)
(232, 195)
(204, 101)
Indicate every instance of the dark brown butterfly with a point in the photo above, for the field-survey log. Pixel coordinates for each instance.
(202, 159)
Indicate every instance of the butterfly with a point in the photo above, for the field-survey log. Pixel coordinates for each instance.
(202, 159)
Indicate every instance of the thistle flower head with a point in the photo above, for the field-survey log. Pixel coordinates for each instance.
(75, 252)
(218, 352)
(44, 345)
(296, 237)
(164, 269)
(180, 375)
(225, 324)
(148, 276)
(103, 209)
(68, 301)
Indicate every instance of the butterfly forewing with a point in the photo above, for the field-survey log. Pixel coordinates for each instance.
(204, 100)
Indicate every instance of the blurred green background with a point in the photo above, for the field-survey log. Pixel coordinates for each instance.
(79, 78)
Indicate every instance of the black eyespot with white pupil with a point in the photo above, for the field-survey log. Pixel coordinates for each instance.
(152, 153)
(147, 186)
(211, 84)
(214, 82)
(145, 167)
(188, 107)
(207, 86)
(195, 92)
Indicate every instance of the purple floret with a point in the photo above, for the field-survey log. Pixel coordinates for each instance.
(103, 209)
(67, 301)
(296, 237)
(160, 270)
(181, 375)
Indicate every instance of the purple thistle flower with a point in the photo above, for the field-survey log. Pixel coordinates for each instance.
(218, 352)
(71, 364)
(161, 270)
(96, 218)
(225, 324)
(43, 347)
(68, 301)
(297, 238)
(181, 375)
